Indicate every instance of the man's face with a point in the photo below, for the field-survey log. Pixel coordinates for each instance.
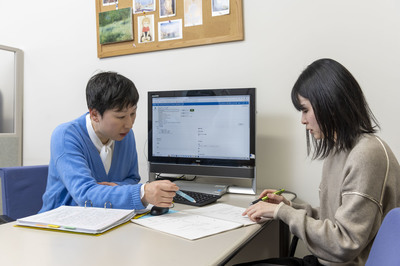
(113, 124)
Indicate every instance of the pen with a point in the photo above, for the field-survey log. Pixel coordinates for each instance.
(186, 196)
(278, 192)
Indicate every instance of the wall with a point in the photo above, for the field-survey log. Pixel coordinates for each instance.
(281, 38)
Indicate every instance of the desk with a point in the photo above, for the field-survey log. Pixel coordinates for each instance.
(130, 244)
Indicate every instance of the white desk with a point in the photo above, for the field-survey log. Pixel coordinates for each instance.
(129, 244)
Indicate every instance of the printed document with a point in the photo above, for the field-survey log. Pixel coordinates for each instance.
(197, 223)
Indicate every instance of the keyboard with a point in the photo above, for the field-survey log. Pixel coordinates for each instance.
(201, 198)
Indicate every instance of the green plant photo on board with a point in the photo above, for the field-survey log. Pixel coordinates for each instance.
(116, 26)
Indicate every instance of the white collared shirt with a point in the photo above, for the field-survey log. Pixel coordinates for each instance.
(98, 144)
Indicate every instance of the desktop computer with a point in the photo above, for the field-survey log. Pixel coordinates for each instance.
(207, 132)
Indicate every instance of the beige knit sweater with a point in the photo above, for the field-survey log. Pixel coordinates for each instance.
(354, 198)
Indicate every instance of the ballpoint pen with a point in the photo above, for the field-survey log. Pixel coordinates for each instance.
(186, 196)
(278, 192)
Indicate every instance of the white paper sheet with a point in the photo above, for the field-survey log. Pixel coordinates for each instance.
(224, 212)
(197, 223)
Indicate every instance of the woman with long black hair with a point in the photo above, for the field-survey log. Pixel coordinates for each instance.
(360, 178)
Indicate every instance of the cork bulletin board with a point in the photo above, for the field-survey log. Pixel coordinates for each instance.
(211, 26)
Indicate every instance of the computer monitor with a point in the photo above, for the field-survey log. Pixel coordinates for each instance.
(207, 132)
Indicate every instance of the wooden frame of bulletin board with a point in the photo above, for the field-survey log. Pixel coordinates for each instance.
(215, 29)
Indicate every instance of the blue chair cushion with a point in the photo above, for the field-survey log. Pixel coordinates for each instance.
(22, 189)
(386, 247)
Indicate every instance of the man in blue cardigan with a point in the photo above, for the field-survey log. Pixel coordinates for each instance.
(93, 158)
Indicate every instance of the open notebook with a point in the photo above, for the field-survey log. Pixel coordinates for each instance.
(88, 220)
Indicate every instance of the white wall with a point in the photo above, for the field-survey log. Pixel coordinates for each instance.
(281, 38)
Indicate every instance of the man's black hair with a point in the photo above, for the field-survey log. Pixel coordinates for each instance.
(109, 91)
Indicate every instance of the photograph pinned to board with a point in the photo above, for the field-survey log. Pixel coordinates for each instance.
(193, 12)
(116, 26)
(167, 8)
(170, 30)
(146, 28)
(109, 2)
(220, 7)
(141, 6)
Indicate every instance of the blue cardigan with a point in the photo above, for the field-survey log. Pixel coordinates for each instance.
(75, 168)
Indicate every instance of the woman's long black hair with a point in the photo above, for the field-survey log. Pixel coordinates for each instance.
(339, 106)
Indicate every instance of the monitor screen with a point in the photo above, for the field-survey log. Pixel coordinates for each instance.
(195, 128)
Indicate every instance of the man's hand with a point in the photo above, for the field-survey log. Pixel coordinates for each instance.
(160, 193)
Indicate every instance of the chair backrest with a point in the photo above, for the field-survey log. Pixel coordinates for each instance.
(22, 189)
(386, 247)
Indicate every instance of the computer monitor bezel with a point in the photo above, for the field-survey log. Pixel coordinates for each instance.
(204, 166)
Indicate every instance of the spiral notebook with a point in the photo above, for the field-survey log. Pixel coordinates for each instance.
(90, 220)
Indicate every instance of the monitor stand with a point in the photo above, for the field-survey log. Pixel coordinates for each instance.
(217, 189)
(202, 187)
(244, 189)
(207, 185)
(241, 190)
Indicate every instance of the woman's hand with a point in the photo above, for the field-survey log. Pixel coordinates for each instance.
(265, 209)
(260, 210)
(273, 198)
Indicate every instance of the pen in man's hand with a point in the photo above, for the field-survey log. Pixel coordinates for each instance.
(278, 192)
(186, 196)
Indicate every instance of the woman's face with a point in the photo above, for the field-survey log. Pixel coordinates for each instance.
(308, 118)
